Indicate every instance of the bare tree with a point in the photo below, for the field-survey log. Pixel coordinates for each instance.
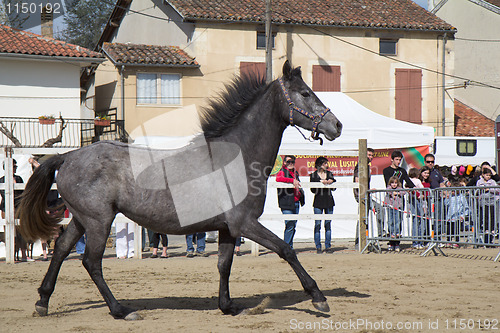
(10, 13)
(9, 133)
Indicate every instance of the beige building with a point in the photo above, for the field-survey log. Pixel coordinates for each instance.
(477, 49)
(166, 58)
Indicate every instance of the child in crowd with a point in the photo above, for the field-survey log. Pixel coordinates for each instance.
(462, 181)
(416, 209)
(457, 210)
(425, 178)
(488, 200)
(394, 201)
(485, 179)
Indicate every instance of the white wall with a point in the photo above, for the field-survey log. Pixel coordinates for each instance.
(475, 58)
(136, 28)
(31, 88)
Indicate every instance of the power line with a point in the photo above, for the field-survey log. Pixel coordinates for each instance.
(202, 97)
(478, 40)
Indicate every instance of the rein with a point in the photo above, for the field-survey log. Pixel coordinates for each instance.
(316, 119)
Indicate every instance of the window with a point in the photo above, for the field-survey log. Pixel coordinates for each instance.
(158, 89)
(387, 46)
(466, 147)
(261, 40)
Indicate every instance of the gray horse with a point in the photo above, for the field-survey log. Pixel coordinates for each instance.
(206, 185)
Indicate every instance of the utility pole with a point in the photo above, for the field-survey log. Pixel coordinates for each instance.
(443, 78)
(269, 46)
(497, 140)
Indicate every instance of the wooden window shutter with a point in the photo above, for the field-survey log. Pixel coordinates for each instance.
(248, 68)
(326, 78)
(409, 95)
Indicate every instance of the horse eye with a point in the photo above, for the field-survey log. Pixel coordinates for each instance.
(305, 94)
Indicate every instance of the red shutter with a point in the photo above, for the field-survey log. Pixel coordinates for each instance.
(409, 95)
(258, 68)
(326, 78)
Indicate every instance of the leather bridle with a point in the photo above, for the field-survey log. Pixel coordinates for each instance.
(316, 119)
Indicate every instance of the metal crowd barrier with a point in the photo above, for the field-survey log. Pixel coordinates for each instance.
(434, 218)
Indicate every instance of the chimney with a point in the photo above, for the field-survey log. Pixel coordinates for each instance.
(47, 22)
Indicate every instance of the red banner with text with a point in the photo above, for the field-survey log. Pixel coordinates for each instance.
(344, 165)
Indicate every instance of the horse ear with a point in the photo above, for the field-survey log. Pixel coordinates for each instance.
(287, 70)
(297, 72)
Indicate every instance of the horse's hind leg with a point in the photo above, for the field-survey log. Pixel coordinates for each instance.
(226, 249)
(92, 261)
(258, 233)
(62, 248)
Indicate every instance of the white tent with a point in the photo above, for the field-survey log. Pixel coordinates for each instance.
(358, 123)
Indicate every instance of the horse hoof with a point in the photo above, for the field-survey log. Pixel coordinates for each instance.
(41, 311)
(321, 306)
(133, 316)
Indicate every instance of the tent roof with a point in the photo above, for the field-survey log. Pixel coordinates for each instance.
(358, 123)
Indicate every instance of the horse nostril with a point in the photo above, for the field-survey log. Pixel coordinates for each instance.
(339, 126)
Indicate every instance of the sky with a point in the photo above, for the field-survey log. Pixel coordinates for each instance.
(422, 3)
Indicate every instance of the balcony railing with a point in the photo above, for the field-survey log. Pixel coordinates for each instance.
(66, 133)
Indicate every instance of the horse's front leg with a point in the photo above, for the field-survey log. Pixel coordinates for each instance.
(92, 261)
(226, 250)
(62, 248)
(258, 233)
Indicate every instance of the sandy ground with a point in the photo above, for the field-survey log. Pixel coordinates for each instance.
(366, 293)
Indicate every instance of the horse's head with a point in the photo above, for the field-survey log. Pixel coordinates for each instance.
(304, 108)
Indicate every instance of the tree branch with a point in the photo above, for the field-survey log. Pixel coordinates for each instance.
(10, 134)
(50, 142)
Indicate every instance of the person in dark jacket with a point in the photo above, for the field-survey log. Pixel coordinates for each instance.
(323, 202)
(289, 199)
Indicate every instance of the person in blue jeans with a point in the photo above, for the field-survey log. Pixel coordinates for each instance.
(289, 199)
(200, 245)
(80, 245)
(323, 202)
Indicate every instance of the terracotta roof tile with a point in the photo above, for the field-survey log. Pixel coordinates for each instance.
(22, 42)
(392, 14)
(469, 122)
(140, 54)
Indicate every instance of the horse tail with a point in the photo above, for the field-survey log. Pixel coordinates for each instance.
(34, 220)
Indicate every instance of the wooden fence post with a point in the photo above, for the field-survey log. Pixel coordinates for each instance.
(363, 187)
(10, 228)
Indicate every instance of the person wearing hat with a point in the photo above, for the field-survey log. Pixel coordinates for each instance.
(484, 165)
(17, 199)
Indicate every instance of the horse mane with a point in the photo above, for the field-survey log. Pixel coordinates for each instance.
(224, 111)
